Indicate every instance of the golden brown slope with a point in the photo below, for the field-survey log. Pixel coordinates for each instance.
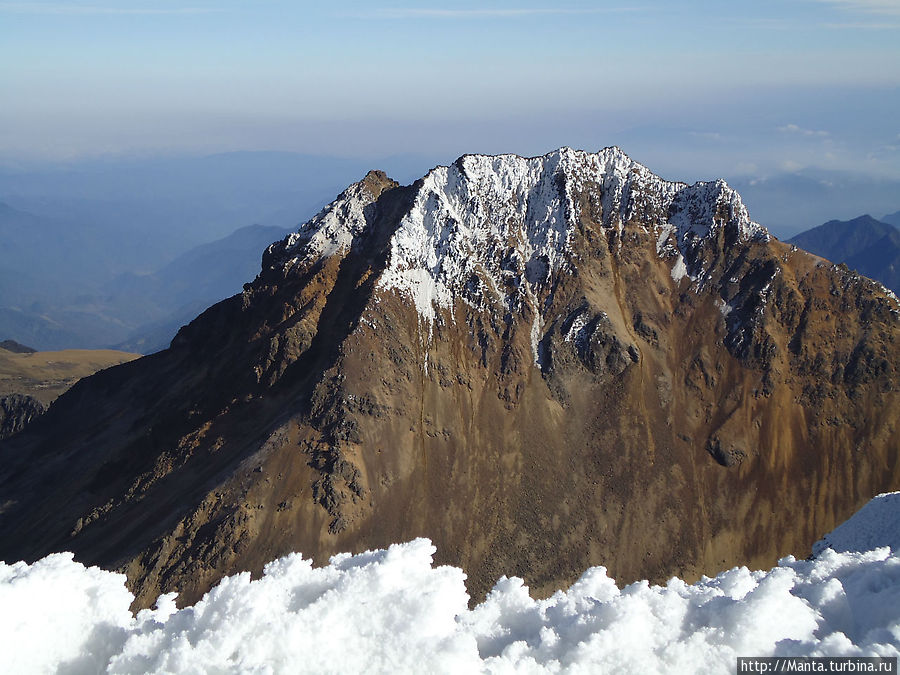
(46, 375)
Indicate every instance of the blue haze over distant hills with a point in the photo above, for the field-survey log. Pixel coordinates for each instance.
(90, 254)
(869, 246)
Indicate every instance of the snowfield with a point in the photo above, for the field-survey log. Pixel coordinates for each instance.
(394, 611)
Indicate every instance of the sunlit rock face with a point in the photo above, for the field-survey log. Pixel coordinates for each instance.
(540, 364)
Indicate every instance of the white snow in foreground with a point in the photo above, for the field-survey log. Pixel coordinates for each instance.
(393, 611)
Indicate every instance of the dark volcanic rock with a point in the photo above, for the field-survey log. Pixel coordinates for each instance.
(542, 364)
(16, 411)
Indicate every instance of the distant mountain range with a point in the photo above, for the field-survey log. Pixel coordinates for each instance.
(869, 246)
(187, 200)
(178, 292)
(51, 271)
(790, 203)
(892, 219)
(57, 292)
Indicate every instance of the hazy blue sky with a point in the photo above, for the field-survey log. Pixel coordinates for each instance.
(714, 87)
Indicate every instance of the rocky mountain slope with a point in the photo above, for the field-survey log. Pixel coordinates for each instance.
(864, 244)
(541, 364)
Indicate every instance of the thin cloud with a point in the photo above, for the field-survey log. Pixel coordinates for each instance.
(707, 135)
(747, 169)
(890, 7)
(418, 13)
(58, 8)
(790, 165)
(859, 25)
(800, 131)
(762, 23)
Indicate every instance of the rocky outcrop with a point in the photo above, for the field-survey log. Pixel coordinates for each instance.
(541, 364)
(16, 411)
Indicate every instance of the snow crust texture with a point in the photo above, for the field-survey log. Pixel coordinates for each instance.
(875, 524)
(393, 611)
(493, 229)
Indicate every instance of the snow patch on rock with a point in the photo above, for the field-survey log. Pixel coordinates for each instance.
(333, 230)
(495, 223)
(679, 269)
(504, 224)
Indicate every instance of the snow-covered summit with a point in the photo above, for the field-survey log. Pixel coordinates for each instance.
(494, 228)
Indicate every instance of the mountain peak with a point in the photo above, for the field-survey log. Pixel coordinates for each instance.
(335, 227)
(540, 362)
(492, 230)
(864, 220)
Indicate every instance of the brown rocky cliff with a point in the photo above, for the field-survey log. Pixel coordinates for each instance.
(662, 399)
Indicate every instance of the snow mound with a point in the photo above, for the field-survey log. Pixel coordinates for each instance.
(875, 524)
(394, 611)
